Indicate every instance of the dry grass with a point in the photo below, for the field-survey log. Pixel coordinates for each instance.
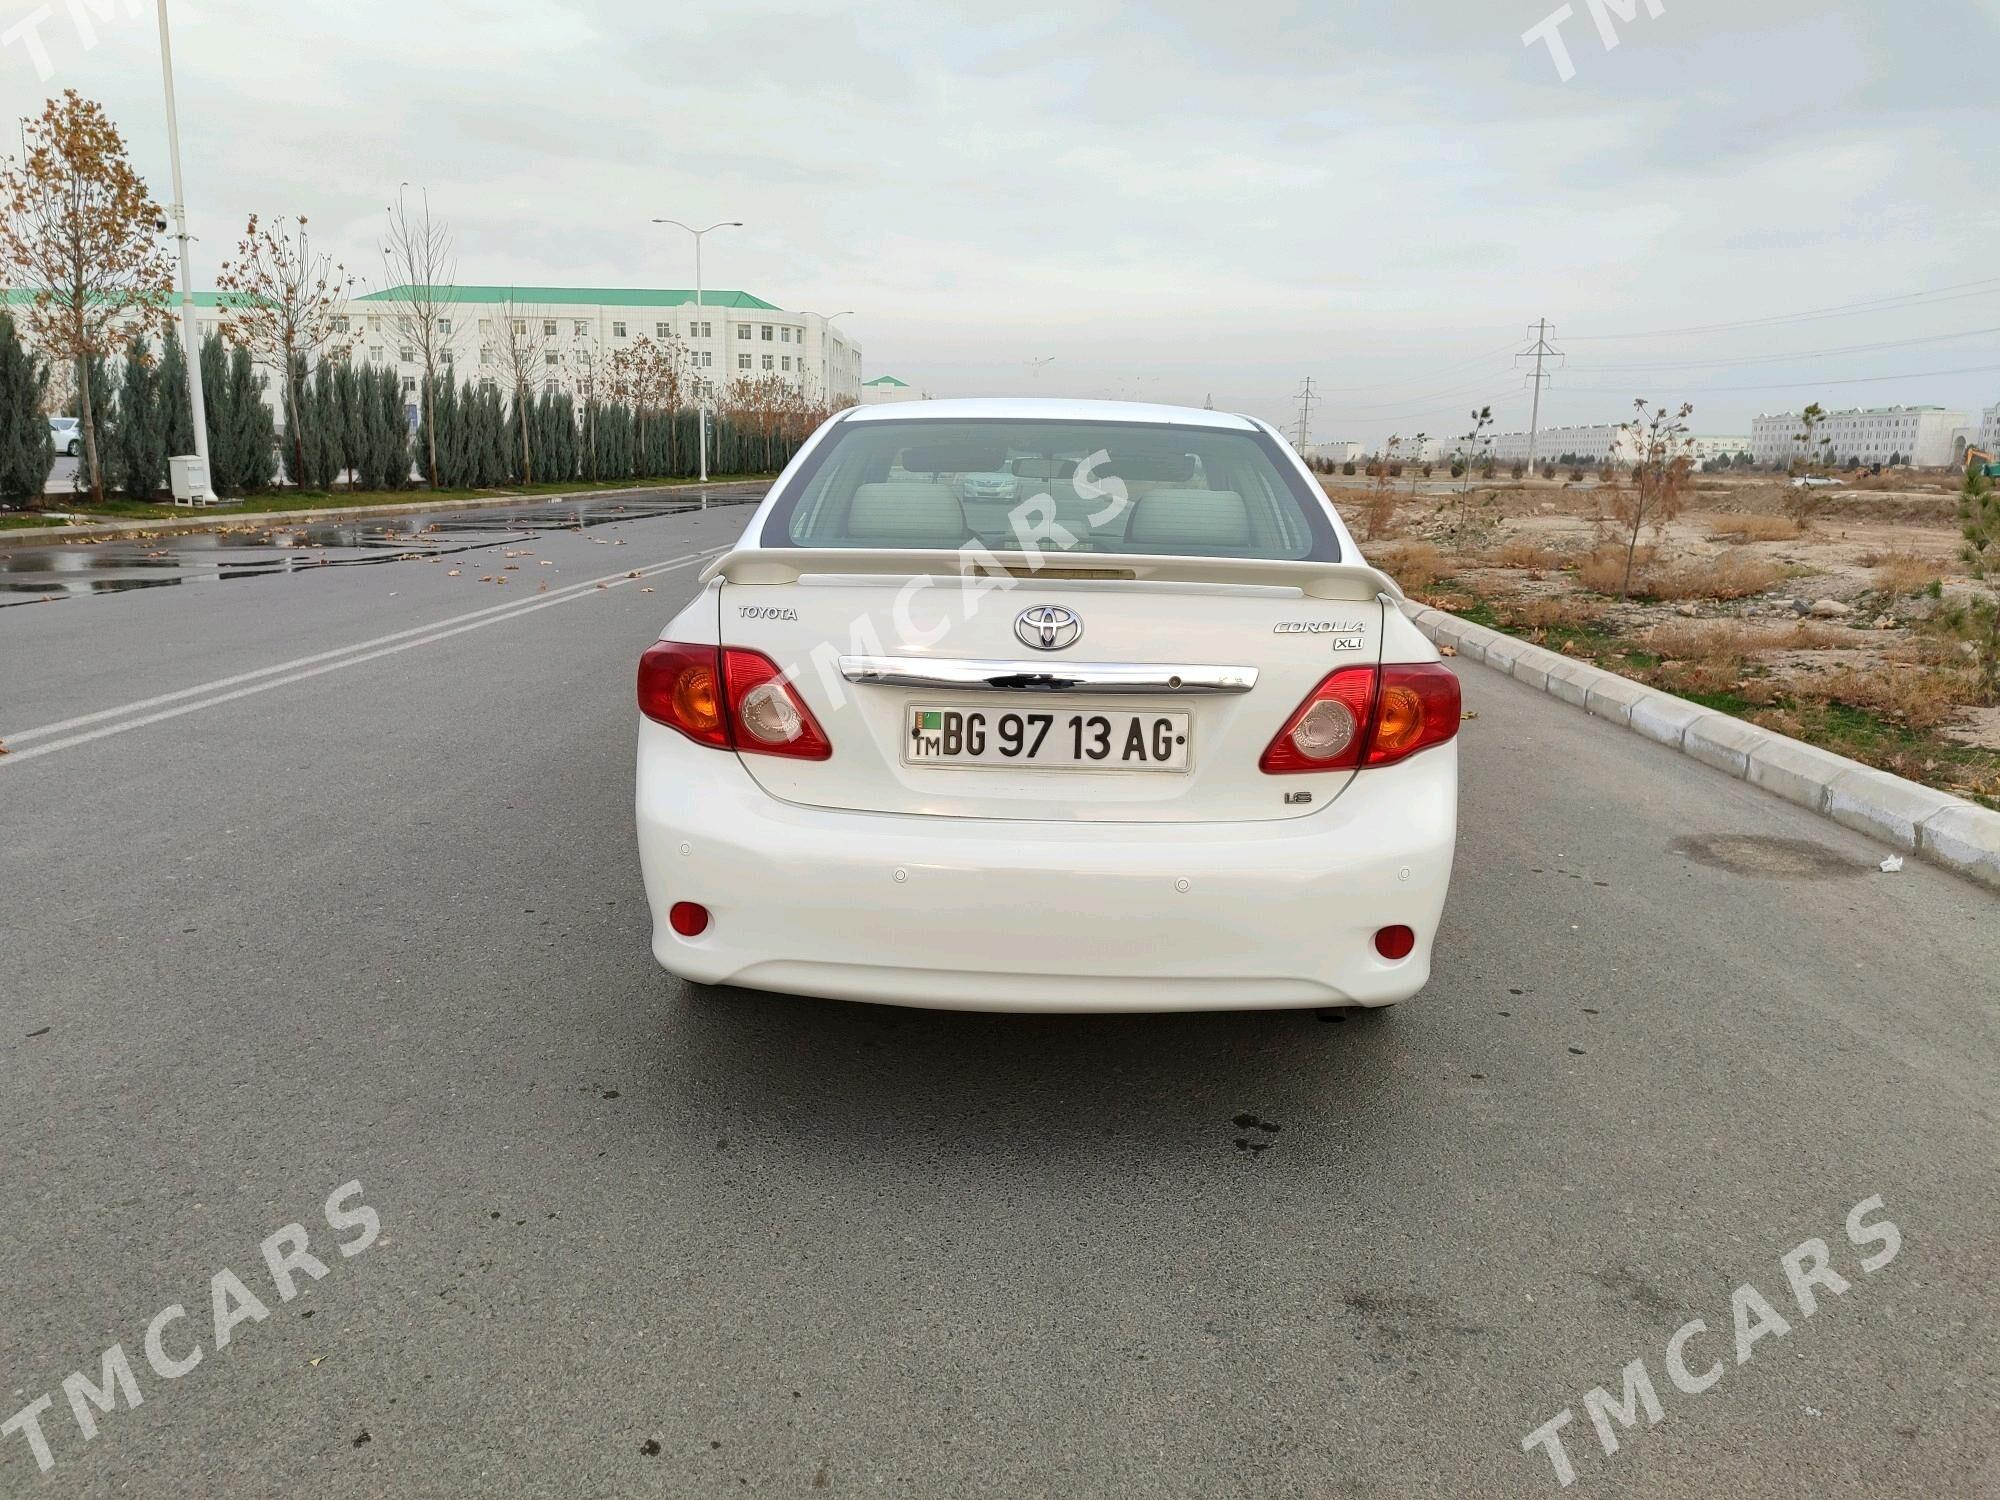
(1413, 564)
(1918, 697)
(1754, 528)
(1712, 641)
(1549, 612)
(1730, 576)
(1738, 640)
(1904, 572)
(1527, 556)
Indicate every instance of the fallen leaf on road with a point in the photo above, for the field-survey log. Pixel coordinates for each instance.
(643, 591)
(604, 585)
(1447, 651)
(1472, 714)
(451, 573)
(633, 574)
(544, 588)
(1892, 864)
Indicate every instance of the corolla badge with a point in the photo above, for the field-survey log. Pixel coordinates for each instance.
(1048, 627)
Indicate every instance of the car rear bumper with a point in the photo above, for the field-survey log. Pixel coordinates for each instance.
(988, 914)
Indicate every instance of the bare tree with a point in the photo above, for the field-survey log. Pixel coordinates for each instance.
(281, 302)
(1382, 497)
(1659, 475)
(521, 354)
(651, 377)
(78, 235)
(590, 379)
(422, 268)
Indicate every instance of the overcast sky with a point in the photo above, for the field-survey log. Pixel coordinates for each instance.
(1169, 201)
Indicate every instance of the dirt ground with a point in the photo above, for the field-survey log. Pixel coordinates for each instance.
(1834, 615)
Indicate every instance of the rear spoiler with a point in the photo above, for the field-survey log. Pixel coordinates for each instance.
(1316, 580)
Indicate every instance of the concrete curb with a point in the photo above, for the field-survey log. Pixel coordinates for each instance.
(1949, 831)
(223, 520)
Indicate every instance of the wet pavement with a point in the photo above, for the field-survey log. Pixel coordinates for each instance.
(265, 546)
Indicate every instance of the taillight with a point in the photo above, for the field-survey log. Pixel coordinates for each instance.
(1329, 731)
(768, 717)
(728, 698)
(1417, 708)
(680, 686)
(1364, 716)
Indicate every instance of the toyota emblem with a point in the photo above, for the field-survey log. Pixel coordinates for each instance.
(1048, 627)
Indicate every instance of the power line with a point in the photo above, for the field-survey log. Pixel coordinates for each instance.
(1989, 285)
(1485, 384)
(1761, 359)
(1427, 374)
(1797, 385)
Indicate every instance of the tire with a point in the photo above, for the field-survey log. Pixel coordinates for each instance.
(73, 449)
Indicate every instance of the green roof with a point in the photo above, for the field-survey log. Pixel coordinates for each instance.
(600, 296)
(887, 380)
(14, 295)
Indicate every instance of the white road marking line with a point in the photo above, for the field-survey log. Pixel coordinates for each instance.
(424, 635)
(24, 735)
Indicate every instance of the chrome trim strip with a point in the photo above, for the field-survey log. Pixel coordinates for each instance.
(1046, 675)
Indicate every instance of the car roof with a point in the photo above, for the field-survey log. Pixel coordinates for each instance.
(1047, 409)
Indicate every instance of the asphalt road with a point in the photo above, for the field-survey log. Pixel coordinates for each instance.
(377, 917)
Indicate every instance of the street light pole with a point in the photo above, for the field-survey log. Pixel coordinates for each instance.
(825, 348)
(701, 411)
(190, 339)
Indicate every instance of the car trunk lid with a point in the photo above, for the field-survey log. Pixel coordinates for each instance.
(1215, 653)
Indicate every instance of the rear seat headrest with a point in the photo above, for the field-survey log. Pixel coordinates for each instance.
(908, 514)
(1194, 519)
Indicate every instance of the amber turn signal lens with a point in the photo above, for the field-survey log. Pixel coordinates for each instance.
(1400, 723)
(697, 702)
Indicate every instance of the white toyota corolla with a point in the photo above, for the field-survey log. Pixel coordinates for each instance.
(1144, 734)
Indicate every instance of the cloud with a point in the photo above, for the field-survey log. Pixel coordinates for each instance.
(1173, 200)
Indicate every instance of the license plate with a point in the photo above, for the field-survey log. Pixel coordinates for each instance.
(1055, 739)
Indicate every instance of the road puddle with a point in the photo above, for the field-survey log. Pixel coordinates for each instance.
(264, 547)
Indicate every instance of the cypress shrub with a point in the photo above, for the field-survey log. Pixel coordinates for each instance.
(27, 451)
(135, 447)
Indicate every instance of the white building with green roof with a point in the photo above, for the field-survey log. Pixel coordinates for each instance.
(885, 388)
(571, 333)
(574, 331)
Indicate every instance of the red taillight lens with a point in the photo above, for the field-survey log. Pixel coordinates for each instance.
(1362, 716)
(688, 918)
(1329, 731)
(729, 698)
(767, 716)
(1417, 708)
(680, 686)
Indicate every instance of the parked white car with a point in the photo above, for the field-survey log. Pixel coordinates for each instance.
(1158, 739)
(68, 435)
(1815, 482)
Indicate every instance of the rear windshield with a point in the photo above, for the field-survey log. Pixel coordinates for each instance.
(1082, 487)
